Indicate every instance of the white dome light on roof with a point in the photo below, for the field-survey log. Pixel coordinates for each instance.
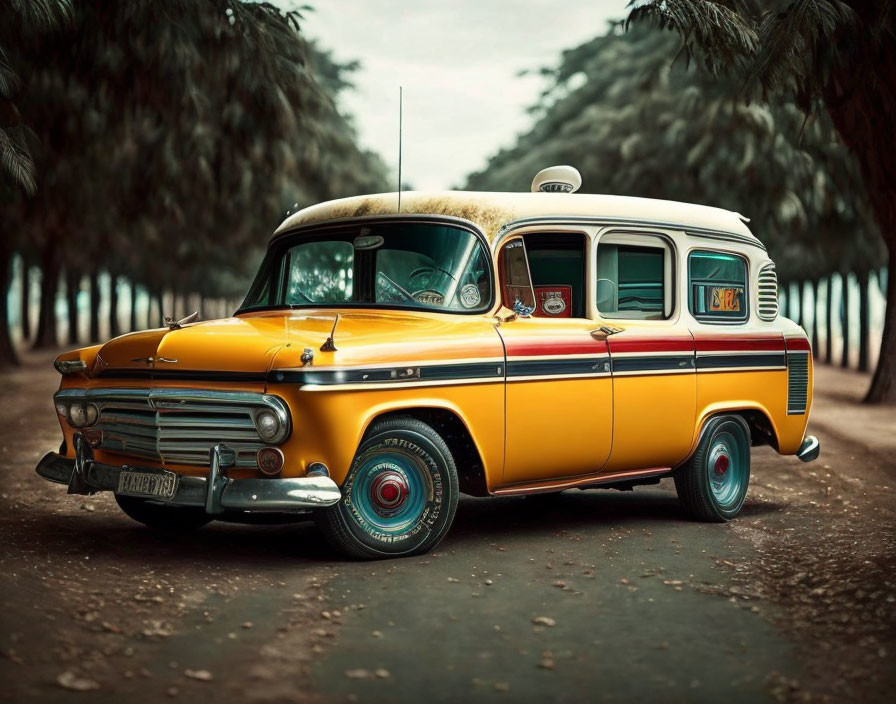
(557, 179)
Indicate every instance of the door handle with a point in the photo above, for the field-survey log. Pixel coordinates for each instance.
(604, 331)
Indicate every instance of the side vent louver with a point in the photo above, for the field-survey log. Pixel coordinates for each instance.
(767, 286)
(797, 383)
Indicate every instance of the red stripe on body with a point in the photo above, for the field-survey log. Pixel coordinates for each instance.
(798, 343)
(548, 347)
(738, 343)
(648, 345)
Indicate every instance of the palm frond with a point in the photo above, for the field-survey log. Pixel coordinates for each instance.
(791, 40)
(15, 160)
(724, 37)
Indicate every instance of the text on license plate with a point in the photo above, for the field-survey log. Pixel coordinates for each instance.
(161, 484)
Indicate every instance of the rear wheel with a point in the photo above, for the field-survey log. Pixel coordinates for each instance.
(712, 485)
(171, 519)
(399, 497)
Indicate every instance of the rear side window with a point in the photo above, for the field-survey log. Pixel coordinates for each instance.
(633, 280)
(718, 287)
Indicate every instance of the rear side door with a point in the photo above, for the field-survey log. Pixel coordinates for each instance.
(652, 349)
(559, 393)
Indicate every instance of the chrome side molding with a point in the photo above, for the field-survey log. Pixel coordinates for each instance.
(809, 449)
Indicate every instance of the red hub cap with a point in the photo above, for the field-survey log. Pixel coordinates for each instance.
(721, 466)
(389, 490)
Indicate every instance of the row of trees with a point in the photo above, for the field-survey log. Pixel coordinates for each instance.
(637, 118)
(161, 140)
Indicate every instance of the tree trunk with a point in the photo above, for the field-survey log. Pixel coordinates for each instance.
(72, 285)
(8, 354)
(844, 321)
(865, 117)
(49, 285)
(829, 321)
(863, 322)
(800, 316)
(26, 300)
(133, 321)
(815, 284)
(160, 302)
(94, 306)
(114, 328)
(883, 384)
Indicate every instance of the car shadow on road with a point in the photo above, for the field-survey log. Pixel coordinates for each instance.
(114, 539)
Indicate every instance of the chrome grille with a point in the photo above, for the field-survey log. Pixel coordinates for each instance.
(178, 426)
(797, 383)
(767, 287)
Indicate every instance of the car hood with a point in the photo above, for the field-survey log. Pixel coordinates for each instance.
(257, 343)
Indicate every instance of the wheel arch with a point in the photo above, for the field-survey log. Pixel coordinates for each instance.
(449, 422)
(762, 428)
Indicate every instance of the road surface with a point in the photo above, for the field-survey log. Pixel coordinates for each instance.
(596, 595)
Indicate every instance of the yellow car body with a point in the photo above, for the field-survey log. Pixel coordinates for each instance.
(527, 401)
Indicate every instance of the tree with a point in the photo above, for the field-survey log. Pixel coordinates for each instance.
(18, 19)
(837, 54)
(169, 137)
(635, 123)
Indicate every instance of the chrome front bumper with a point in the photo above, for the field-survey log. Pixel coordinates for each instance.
(216, 493)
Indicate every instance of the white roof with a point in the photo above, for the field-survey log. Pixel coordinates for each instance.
(492, 211)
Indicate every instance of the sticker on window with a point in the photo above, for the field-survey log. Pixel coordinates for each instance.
(726, 299)
(554, 301)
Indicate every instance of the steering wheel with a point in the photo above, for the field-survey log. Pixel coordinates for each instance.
(420, 271)
(395, 288)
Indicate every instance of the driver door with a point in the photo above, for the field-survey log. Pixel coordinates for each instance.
(558, 391)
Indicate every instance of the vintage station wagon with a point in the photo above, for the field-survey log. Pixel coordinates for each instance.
(397, 350)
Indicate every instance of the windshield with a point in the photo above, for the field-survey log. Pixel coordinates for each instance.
(407, 265)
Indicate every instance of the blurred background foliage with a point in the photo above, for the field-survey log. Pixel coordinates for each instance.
(161, 141)
(783, 111)
(158, 142)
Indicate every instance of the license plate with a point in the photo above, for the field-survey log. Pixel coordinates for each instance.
(151, 484)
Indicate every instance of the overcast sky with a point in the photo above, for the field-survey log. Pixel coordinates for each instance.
(458, 62)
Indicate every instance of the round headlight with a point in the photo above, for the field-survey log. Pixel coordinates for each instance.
(77, 415)
(267, 424)
(61, 410)
(92, 413)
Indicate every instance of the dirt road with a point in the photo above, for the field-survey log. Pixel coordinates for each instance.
(596, 595)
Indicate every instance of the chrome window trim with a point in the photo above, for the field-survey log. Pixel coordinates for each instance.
(636, 222)
(709, 319)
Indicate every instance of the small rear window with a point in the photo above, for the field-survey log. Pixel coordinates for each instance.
(718, 287)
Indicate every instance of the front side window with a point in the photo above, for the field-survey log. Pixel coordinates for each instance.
(404, 265)
(633, 280)
(718, 286)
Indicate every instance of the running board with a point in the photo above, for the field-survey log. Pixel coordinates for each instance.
(585, 482)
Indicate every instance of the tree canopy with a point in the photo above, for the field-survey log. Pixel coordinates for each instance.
(169, 137)
(832, 56)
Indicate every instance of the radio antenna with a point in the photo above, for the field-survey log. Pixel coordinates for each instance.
(400, 96)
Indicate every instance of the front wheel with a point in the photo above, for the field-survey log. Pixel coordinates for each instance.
(399, 497)
(712, 485)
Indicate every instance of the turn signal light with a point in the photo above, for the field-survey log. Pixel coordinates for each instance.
(270, 461)
(93, 436)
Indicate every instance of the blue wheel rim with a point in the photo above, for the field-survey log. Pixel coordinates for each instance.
(727, 469)
(390, 491)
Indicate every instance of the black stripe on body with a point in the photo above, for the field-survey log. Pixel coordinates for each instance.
(725, 361)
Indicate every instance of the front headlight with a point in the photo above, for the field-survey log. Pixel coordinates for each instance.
(77, 415)
(269, 425)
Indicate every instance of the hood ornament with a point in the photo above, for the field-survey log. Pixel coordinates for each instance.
(178, 324)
